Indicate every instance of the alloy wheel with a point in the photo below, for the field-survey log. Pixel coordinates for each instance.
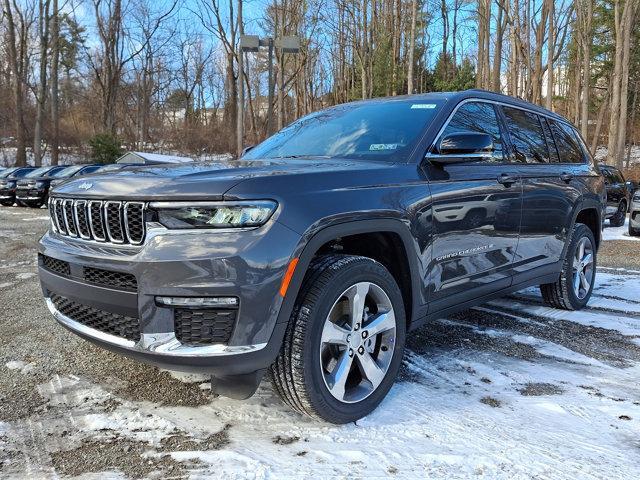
(583, 268)
(357, 343)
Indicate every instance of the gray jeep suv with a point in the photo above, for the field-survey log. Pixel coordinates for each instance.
(312, 256)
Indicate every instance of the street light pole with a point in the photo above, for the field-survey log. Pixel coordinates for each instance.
(252, 43)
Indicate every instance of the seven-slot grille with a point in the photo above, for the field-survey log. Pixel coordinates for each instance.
(109, 221)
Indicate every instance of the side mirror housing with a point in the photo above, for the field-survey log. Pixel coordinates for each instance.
(465, 143)
(462, 147)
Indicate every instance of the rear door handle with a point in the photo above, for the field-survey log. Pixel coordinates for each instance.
(566, 177)
(507, 180)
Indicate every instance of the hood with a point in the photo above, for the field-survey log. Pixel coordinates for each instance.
(193, 181)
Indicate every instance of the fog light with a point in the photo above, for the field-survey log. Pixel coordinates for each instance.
(195, 302)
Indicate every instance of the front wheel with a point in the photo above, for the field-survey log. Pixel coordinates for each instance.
(6, 203)
(633, 231)
(345, 340)
(573, 289)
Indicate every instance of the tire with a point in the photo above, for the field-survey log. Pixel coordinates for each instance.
(633, 232)
(6, 203)
(621, 214)
(563, 293)
(36, 204)
(301, 375)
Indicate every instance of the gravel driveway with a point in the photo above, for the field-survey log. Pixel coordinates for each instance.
(511, 389)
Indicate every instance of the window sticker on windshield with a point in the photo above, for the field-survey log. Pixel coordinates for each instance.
(427, 106)
(383, 146)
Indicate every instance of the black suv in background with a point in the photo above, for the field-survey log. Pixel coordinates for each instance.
(314, 255)
(33, 190)
(29, 188)
(619, 194)
(8, 179)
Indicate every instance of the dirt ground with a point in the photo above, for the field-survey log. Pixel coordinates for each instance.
(511, 389)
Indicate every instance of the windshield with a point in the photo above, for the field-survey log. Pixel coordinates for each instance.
(109, 168)
(377, 130)
(38, 172)
(7, 172)
(67, 172)
(22, 172)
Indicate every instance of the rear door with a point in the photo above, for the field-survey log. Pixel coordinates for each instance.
(476, 214)
(550, 188)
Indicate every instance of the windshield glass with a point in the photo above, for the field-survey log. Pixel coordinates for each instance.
(67, 172)
(38, 172)
(377, 130)
(22, 172)
(7, 172)
(109, 168)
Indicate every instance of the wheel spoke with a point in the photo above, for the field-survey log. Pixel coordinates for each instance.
(381, 323)
(338, 377)
(332, 333)
(588, 259)
(585, 283)
(357, 295)
(370, 369)
(581, 249)
(576, 282)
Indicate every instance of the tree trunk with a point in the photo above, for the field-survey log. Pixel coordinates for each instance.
(412, 46)
(41, 96)
(550, 54)
(53, 76)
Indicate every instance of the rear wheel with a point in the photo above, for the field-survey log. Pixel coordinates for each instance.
(344, 343)
(573, 289)
(621, 214)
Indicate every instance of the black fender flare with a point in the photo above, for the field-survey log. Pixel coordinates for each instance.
(311, 242)
(586, 203)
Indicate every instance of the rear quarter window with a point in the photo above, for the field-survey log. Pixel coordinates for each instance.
(567, 142)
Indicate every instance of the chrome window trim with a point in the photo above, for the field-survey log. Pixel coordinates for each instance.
(106, 221)
(502, 104)
(126, 222)
(66, 220)
(96, 238)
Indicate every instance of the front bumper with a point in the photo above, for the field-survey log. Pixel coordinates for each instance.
(30, 194)
(246, 264)
(7, 194)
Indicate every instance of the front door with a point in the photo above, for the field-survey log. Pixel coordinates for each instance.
(476, 215)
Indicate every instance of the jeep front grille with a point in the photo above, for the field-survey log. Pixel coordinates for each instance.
(109, 221)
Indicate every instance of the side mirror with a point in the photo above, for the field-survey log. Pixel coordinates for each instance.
(465, 143)
(462, 147)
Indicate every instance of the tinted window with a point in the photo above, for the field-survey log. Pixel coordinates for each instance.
(553, 150)
(376, 130)
(38, 172)
(477, 117)
(616, 176)
(567, 143)
(90, 169)
(20, 173)
(527, 136)
(67, 172)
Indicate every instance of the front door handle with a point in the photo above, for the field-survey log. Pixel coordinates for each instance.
(566, 177)
(506, 180)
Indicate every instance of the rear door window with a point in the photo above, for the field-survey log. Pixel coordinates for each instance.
(477, 117)
(567, 142)
(527, 136)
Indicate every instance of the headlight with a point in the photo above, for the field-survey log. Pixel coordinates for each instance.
(39, 184)
(214, 215)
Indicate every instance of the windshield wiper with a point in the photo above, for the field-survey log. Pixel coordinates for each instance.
(302, 156)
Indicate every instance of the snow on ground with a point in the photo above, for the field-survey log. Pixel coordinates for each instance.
(618, 233)
(512, 389)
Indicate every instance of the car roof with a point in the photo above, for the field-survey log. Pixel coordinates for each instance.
(476, 93)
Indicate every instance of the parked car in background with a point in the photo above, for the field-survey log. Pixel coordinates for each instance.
(315, 254)
(71, 172)
(33, 189)
(8, 179)
(634, 215)
(618, 195)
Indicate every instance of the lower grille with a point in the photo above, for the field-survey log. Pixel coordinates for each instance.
(108, 278)
(204, 327)
(56, 266)
(107, 322)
